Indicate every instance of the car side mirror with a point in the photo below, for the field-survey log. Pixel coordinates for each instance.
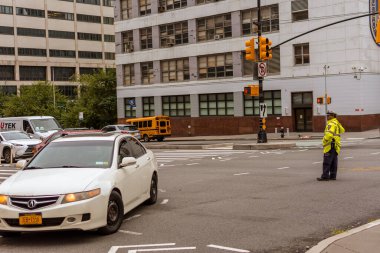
(127, 161)
(21, 164)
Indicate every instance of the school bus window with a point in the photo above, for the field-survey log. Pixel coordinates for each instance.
(149, 123)
(162, 123)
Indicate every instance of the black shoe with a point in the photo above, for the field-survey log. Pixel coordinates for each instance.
(322, 179)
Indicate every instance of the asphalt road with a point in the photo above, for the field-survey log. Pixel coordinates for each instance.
(237, 201)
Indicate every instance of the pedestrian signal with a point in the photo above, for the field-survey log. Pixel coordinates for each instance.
(250, 50)
(265, 50)
(320, 100)
(328, 100)
(247, 91)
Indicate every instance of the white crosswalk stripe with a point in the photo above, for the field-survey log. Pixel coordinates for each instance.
(6, 172)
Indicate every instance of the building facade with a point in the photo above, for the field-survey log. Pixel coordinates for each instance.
(185, 59)
(53, 40)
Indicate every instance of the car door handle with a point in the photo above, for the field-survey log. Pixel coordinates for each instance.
(148, 158)
(137, 165)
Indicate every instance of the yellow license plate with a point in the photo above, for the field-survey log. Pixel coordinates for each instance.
(30, 219)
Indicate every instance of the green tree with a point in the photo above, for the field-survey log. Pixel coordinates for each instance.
(97, 101)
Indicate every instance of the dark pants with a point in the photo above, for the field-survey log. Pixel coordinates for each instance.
(330, 164)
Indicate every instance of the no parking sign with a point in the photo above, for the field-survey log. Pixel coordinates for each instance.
(262, 69)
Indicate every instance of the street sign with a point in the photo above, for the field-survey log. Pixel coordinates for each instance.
(80, 115)
(262, 69)
(263, 110)
(132, 102)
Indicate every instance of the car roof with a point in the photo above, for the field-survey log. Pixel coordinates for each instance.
(90, 137)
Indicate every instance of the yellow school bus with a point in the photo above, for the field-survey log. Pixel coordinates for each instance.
(157, 127)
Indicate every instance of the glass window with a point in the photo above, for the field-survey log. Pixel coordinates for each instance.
(270, 20)
(6, 30)
(176, 106)
(221, 104)
(137, 149)
(147, 73)
(68, 90)
(61, 15)
(174, 34)
(129, 74)
(30, 12)
(108, 20)
(271, 98)
(31, 52)
(175, 70)
(7, 72)
(6, 9)
(214, 28)
(62, 73)
(300, 10)
(32, 73)
(88, 18)
(31, 32)
(94, 2)
(61, 34)
(7, 51)
(130, 107)
(89, 36)
(215, 66)
(145, 7)
(126, 9)
(165, 5)
(148, 106)
(90, 55)
(89, 71)
(146, 38)
(207, 1)
(62, 53)
(301, 54)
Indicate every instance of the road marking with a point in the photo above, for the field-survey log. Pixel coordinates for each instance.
(317, 162)
(169, 165)
(3, 177)
(129, 232)
(254, 156)
(302, 150)
(164, 202)
(160, 249)
(132, 217)
(192, 164)
(115, 248)
(161, 190)
(239, 174)
(354, 138)
(376, 153)
(282, 168)
(348, 157)
(228, 248)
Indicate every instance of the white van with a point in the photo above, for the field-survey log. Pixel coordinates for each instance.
(39, 127)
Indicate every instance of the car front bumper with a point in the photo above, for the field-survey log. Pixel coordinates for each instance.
(58, 216)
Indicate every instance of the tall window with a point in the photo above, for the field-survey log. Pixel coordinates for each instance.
(126, 9)
(271, 98)
(300, 10)
(68, 90)
(215, 66)
(270, 20)
(145, 7)
(129, 75)
(127, 38)
(6, 9)
(148, 106)
(273, 66)
(301, 54)
(130, 107)
(221, 104)
(147, 72)
(214, 28)
(32, 73)
(62, 73)
(146, 38)
(175, 70)
(165, 5)
(7, 72)
(176, 106)
(174, 34)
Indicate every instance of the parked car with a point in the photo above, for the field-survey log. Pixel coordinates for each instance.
(58, 134)
(21, 143)
(122, 128)
(81, 182)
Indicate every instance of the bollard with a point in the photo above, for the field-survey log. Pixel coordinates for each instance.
(275, 130)
(287, 132)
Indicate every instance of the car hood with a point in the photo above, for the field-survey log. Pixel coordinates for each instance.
(49, 181)
(46, 134)
(25, 141)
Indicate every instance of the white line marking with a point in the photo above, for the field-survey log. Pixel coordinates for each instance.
(192, 163)
(115, 248)
(302, 150)
(228, 248)
(219, 157)
(161, 249)
(161, 190)
(169, 165)
(254, 156)
(129, 232)
(164, 202)
(282, 168)
(375, 153)
(132, 217)
(355, 139)
(239, 174)
(317, 162)
(3, 177)
(348, 157)
(9, 170)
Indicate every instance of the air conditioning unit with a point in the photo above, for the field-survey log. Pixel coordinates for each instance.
(218, 37)
(170, 42)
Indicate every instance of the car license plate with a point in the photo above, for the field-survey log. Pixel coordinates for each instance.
(30, 219)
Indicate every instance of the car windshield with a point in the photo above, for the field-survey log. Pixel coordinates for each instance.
(128, 128)
(74, 154)
(15, 136)
(44, 125)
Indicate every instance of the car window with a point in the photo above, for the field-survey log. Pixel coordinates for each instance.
(128, 128)
(15, 136)
(124, 150)
(137, 148)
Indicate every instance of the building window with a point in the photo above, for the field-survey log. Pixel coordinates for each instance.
(32, 73)
(127, 38)
(62, 73)
(174, 34)
(176, 106)
(221, 104)
(147, 73)
(31, 52)
(94, 2)
(148, 106)
(89, 71)
(68, 91)
(130, 107)
(175, 70)
(206, 1)
(300, 10)
(8, 30)
(30, 12)
(145, 7)
(90, 36)
(109, 38)
(108, 20)
(270, 20)
(214, 28)
(215, 66)
(165, 5)
(31, 32)
(109, 56)
(146, 38)
(301, 54)
(62, 53)
(129, 74)
(7, 51)
(61, 34)
(60, 15)
(6, 9)
(108, 3)
(271, 98)
(88, 18)
(8, 89)
(7, 73)
(273, 66)
(90, 55)
(126, 9)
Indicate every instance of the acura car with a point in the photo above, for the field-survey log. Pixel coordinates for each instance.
(81, 182)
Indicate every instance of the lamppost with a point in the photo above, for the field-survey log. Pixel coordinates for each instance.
(52, 82)
(326, 67)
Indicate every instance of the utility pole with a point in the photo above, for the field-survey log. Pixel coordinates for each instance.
(326, 67)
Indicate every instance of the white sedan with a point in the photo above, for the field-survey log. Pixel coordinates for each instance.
(81, 182)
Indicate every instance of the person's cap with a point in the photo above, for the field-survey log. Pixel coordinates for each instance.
(331, 113)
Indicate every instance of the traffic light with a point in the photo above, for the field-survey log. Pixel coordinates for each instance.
(251, 90)
(247, 91)
(320, 100)
(250, 50)
(378, 30)
(265, 50)
(328, 100)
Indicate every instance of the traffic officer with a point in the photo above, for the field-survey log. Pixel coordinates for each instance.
(331, 147)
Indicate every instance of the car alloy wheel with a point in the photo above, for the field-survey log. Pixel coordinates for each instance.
(7, 155)
(115, 214)
(153, 190)
(146, 138)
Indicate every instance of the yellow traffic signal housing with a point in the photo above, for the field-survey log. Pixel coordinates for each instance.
(250, 50)
(265, 50)
(328, 100)
(378, 30)
(320, 100)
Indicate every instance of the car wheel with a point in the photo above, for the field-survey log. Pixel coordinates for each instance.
(160, 138)
(153, 190)
(10, 234)
(146, 138)
(7, 155)
(115, 214)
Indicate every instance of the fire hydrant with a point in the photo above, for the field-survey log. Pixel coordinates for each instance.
(282, 132)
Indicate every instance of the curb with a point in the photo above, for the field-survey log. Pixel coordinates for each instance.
(185, 146)
(263, 146)
(322, 245)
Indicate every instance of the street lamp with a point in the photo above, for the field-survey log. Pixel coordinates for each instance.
(326, 67)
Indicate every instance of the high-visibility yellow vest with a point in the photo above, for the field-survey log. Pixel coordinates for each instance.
(333, 131)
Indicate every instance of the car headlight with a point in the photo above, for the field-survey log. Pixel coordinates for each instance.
(72, 197)
(3, 199)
